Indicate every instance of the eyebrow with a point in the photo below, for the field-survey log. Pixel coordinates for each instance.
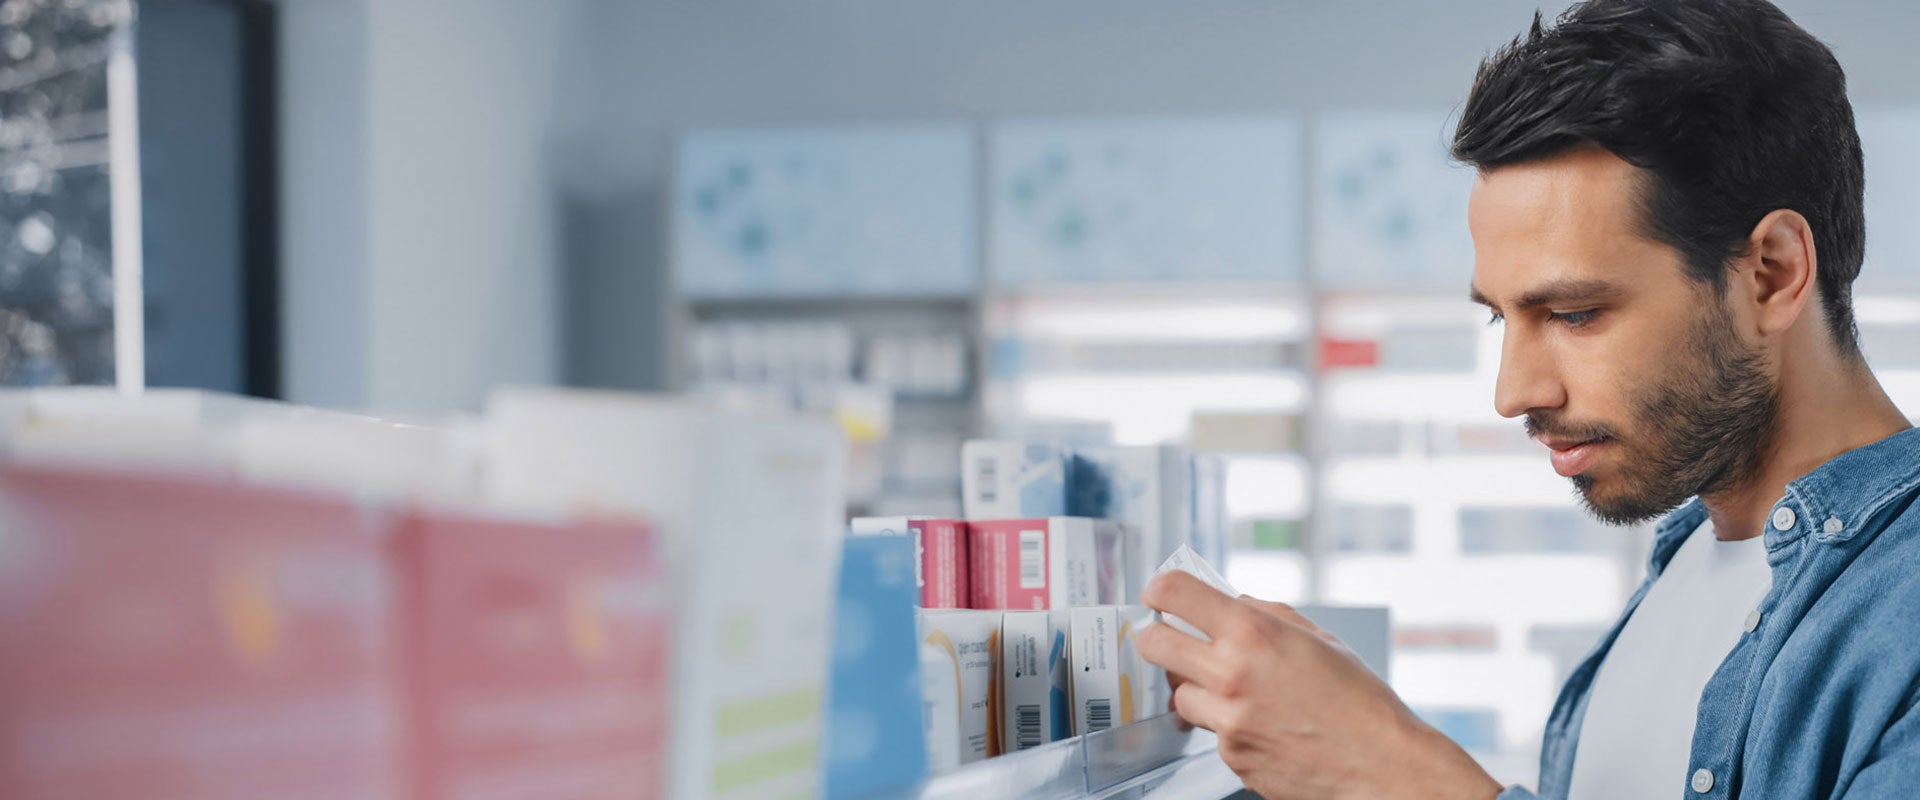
(1565, 291)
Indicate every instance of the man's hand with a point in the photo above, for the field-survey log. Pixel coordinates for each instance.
(1298, 715)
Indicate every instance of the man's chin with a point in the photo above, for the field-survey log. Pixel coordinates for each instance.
(1614, 507)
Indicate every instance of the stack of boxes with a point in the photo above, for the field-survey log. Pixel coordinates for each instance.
(1056, 545)
(636, 604)
(204, 596)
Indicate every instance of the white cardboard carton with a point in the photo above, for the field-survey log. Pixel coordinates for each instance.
(970, 641)
(1112, 684)
(1034, 679)
(751, 513)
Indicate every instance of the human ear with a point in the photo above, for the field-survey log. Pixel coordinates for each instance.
(1783, 263)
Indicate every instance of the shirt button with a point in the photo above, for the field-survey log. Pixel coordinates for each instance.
(1702, 781)
(1783, 518)
(1753, 620)
(1833, 525)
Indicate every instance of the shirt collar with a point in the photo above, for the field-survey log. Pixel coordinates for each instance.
(1831, 503)
(1837, 500)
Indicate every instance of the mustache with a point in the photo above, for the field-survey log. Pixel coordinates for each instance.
(1548, 425)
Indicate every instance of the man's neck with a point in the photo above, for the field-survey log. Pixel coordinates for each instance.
(1819, 417)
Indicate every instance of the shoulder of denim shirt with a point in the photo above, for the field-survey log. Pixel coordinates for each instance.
(1850, 493)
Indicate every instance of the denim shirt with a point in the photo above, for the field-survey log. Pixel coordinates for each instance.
(1817, 698)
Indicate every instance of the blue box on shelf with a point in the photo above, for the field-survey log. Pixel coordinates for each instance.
(875, 737)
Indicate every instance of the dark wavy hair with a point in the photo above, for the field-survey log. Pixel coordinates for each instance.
(1731, 109)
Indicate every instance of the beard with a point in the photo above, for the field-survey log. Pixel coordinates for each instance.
(1702, 428)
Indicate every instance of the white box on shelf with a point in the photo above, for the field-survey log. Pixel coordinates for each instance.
(1037, 564)
(1034, 679)
(1013, 480)
(969, 640)
(750, 513)
(1149, 490)
(1112, 684)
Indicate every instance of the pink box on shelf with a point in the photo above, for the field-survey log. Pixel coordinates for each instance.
(170, 638)
(1056, 562)
(940, 550)
(537, 658)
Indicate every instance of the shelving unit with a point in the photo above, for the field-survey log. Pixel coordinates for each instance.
(1153, 758)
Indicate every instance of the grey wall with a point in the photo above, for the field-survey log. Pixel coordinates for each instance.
(640, 71)
(419, 219)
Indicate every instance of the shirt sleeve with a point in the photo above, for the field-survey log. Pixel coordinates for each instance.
(1517, 793)
(1893, 768)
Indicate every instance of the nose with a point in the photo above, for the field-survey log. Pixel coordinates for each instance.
(1529, 377)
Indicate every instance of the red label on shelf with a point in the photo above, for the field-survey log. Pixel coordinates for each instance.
(1338, 353)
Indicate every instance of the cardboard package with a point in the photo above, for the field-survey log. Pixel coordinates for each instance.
(1034, 679)
(940, 555)
(1037, 564)
(751, 514)
(876, 738)
(970, 642)
(192, 639)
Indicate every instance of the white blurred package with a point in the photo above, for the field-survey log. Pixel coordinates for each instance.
(1013, 480)
(1149, 490)
(1212, 532)
(1112, 684)
(750, 512)
(940, 691)
(158, 428)
(1033, 679)
(1186, 560)
(970, 641)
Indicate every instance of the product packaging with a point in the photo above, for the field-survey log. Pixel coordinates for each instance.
(940, 555)
(1013, 480)
(1186, 560)
(537, 657)
(180, 638)
(1038, 564)
(1034, 679)
(1148, 490)
(751, 515)
(876, 739)
(1112, 685)
(970, 642)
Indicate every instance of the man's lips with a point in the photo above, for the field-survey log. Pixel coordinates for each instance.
(1573, 456)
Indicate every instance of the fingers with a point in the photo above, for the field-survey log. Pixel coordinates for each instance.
(1199, 707)
(1191, 599)
(1280, 610)
(1176, 652)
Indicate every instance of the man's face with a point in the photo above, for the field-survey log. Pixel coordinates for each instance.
(1626, 368)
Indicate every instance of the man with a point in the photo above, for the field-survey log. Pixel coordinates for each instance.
(1667, 221)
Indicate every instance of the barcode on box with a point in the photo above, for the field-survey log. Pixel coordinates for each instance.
(1099, 714)
(1026, 726)
(1033, 559)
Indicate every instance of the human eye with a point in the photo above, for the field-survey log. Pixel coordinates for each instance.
(1495, 318)
(1575, 319)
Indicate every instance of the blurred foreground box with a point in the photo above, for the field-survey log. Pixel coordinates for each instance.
(178, 638)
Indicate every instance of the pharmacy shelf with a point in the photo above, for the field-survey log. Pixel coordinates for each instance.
(1155, 759)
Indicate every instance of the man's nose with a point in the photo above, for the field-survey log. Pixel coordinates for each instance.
(1529, 377)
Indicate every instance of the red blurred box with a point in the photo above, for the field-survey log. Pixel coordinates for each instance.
(538, 658)
(171, 638)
